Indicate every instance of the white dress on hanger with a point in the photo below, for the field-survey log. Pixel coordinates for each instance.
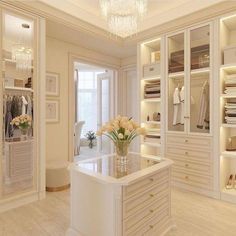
(182, 98)
(24, 104)
(176, 103)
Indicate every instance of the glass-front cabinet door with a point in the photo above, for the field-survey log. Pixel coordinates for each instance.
(176, 82)
(199, 96)
(18, 159)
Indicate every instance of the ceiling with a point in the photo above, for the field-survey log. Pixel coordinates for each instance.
(159, 11)
(13, 30)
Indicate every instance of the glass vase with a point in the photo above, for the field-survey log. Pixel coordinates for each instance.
(24, 134)
(122, 148)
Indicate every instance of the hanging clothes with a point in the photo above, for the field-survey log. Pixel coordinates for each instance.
(177, 107)
(29, 106)
(24, 104)
(182, 98)
(203, 115)
(16, 107)
(8, 119)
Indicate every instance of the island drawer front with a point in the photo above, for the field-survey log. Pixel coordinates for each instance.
(189, 141)
(189, 154)
(193, 167)
(141, 186)
(137, 204)
(194, 180)
(135, 221)
(150, 226)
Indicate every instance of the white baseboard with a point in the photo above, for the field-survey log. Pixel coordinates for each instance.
(18, 201)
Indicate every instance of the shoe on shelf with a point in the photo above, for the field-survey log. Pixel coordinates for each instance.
(230, 183)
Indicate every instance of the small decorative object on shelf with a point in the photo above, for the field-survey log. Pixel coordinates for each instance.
(156, 116)
(231, 144)
(121, 130)
(90, 137)
(148, 118)
(29, 83)
(23, 122)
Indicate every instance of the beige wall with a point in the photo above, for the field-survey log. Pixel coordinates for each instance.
(57, 61)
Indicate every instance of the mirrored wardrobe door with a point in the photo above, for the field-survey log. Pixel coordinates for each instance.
(176, 82)
(18, 164)
(200, 80)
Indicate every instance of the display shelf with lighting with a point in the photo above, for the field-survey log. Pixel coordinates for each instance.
(227, 87)
(150, 75)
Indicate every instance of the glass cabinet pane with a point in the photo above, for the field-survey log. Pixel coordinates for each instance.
(199, 41)
(18, 144)
(200, 80)
(176, 92)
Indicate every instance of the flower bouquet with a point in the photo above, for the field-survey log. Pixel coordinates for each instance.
(121, 130)
(23, 122)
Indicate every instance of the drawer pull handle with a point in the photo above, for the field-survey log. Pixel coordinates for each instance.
(186, 140)
(151, 69)
(151, 179)
(186, 165)
(186, 177)
(151, 211)
(186, 153)
(151, 226)
(151, 195)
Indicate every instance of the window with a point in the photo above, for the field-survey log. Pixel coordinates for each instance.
(87, 101)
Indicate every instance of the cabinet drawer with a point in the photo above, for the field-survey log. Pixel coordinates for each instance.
(143, 185)
(189, 141)
(135, 221)
(192, 179)
(188, 154)
(151, 227)
(204, 169)
(136, 204)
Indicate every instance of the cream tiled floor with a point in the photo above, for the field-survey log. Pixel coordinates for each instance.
(194, 215)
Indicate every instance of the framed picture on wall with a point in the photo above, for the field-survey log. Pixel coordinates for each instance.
(52, 84)
(52, 111)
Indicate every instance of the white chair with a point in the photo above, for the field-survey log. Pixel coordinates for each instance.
(77, 134)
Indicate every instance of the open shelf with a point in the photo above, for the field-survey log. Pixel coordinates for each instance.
(231, 154)
(151, 144)
(152, 122)
(228, 125)
(229, 68)
(176, 75)
(19, 89)
(151, 100)
(151, 78)
(228, 95)
(204, 70)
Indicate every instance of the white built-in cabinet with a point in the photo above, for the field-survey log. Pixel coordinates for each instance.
(22, 169)
(193, 130)
(189, 103)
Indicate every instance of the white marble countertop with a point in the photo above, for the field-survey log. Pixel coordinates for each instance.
(109, 169)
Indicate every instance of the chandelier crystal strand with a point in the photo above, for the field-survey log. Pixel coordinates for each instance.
(22, 53)
(123, 16)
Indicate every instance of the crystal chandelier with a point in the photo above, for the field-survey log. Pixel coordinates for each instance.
(123, 16)
(21, 53)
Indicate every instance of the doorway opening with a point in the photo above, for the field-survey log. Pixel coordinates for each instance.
(94, 106)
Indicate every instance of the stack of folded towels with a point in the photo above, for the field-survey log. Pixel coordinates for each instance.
(230, 84)
(152, 90)
(230, 112)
